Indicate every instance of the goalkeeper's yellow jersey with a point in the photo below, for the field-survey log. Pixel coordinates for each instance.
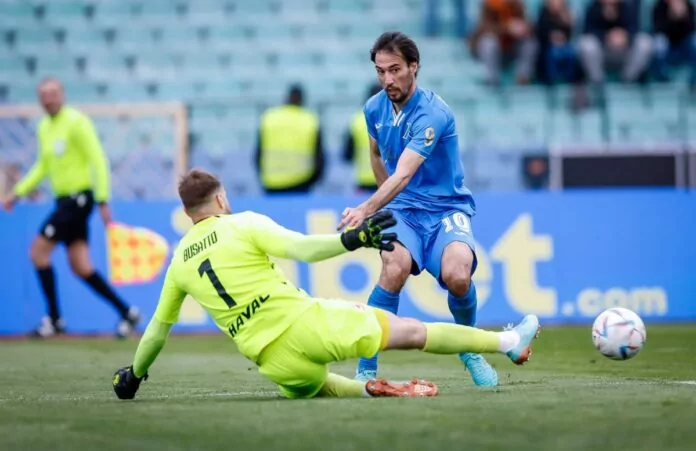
(223, 263)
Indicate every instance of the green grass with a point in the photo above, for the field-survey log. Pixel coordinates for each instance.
(203, 395)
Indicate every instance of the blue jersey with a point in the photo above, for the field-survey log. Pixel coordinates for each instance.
(426, 126)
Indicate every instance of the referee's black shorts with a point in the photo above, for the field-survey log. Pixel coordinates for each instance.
(69, 221)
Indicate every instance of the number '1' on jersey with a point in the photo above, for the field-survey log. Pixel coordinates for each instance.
(219, 262)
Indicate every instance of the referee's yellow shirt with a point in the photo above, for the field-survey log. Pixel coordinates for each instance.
(70, 155)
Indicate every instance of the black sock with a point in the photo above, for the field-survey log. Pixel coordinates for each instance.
(98, 284)
(48, 285)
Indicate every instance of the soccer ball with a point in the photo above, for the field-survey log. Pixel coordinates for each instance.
(618, 333)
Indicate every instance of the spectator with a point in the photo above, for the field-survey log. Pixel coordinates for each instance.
(432, 17)
(289, 155)
(675, 41)
(611, 37)
(357, 148)
(503, 34)
(554, 31)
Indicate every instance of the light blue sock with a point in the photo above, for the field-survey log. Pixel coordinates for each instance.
(382, 299)
(464, 309)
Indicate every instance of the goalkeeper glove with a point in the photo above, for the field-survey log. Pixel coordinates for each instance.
(369, 233)
(126, 383)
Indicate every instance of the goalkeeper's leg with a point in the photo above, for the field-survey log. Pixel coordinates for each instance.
(447, 338)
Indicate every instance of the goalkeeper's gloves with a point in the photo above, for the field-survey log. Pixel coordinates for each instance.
(126, 383)
(369, 233)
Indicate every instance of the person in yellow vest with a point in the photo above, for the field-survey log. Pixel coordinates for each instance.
(289, 153)
(356, 149)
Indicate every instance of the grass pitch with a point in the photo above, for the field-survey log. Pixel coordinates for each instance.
(203, 395)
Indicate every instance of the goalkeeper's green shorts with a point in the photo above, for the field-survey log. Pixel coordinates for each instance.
(330, 331)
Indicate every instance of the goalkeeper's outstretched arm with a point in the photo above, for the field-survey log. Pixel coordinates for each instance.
(151, 344)
(127, 379)
(277, 241)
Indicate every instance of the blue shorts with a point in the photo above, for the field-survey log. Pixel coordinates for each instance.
(426, 234)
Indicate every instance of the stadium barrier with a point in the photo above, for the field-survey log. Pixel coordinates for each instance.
(563, 256)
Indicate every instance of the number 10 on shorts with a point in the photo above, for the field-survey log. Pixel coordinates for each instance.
(458, 220)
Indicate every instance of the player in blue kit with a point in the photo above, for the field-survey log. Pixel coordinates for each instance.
(415, 156)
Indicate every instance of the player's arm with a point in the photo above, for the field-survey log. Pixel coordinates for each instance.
(277, 241)
(407, 165)
(127, 379)
(376, 162)
(88, 140)
(32, 179)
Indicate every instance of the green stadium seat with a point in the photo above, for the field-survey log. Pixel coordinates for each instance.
(60, 12)
(85, 40)
(222, 89)
(17, 12)
(136, 39)
(155, 66)
(176, 90)
(584, 128)
(40, 39)
(126, 92)
(80, 91)
(12, 68)
(252, 8)
(114, 13)
(224, 37)
(22, 93)
(106, 68)
(636, 117)
(55, 65)
(346, 6)
(275, 31)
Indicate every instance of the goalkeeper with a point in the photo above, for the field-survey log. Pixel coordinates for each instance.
(223, 262)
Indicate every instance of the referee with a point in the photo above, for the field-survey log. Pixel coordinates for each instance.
(69, 152)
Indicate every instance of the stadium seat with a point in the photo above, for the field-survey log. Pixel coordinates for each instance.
(346, 6)
(85, 39)
(63, 67)
(12, 68)
(223, 37)
(114, 13)
(126, 92)
(106, 68)
(79, 91)
(17, 12)
(636, 117)
(64, 12)
(22, 93)
(584, 128)
(136, 39)
(39, 39)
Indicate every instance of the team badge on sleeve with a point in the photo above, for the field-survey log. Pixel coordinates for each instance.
(429, 136)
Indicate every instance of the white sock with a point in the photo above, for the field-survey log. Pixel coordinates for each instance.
(508, 340)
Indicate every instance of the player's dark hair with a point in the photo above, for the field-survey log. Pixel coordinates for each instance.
(398, 43)
(196, 187)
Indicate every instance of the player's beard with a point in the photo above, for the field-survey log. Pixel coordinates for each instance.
(398, 95)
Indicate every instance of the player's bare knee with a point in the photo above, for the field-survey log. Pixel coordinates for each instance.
(458, 283)
(40, 256)
(457, 261)
(396, 267)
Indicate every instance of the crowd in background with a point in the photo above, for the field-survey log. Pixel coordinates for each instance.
(560, 47)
